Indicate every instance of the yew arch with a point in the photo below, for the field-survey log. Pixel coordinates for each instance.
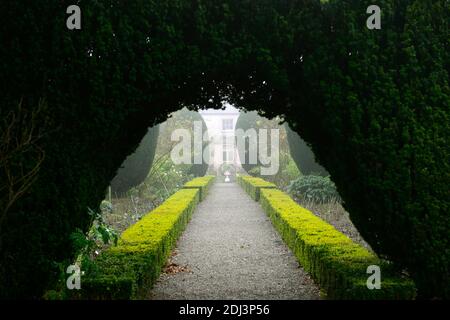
(376, 118)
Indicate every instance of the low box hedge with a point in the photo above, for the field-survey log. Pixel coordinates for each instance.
(201, 183)
(253, 185)
(337, 264)
(129, 270)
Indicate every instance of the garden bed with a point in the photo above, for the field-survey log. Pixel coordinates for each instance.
(338, 264)
(129, 269)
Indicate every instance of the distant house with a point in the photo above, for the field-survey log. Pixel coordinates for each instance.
(221, 125)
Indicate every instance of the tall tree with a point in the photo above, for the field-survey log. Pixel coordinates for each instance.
(302, 154)
(136, 166)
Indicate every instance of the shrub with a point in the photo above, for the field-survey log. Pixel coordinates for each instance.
(165, 178)
(224, 167)
(336, 263)
(127, 270)
(303, 155)
(99, 235)
(314, 188)
(202, 183)
(246, 121)
(136, 167)
(253, 185)
(288, 172)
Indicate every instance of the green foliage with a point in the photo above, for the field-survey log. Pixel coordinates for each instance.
(253, 185)
(88, 246)
(288, 171)
(165, 178)
(203, 184)
(198, 170)
(246, 121)
(136, 167)
(254, 121)
(255, 171)
(303, 155)
(314, 188)
(374, 106)
(127, 270)
(337, 263)
(224, 167)
(183, 119)
(381, 104)
(106, 206)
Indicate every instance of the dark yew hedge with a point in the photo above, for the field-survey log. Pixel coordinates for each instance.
(374, 105)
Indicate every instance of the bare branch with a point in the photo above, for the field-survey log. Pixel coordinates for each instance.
(20, 134)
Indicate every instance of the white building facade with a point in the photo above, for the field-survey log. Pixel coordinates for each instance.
(221, 125)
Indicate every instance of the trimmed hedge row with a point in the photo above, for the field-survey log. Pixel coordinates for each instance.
(337, 264)
(127, 270)
(201, 183)
(253, 185)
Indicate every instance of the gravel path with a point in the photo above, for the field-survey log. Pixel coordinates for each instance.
(230, 250)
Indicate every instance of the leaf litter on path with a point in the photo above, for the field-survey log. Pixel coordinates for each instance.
(173, 268)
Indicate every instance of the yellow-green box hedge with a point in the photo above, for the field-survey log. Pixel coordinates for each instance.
(128, 270)
(201, 183)
(337, 264)
(253, 185)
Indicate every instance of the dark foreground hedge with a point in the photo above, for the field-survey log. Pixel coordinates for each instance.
(128, 270)
(373, 104)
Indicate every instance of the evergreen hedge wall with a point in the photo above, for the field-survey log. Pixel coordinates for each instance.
(373, 104)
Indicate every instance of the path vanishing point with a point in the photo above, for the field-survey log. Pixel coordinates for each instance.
(230, 250)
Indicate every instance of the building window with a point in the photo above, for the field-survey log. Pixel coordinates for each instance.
(228, 156)
(227, 124)
(227, 142)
